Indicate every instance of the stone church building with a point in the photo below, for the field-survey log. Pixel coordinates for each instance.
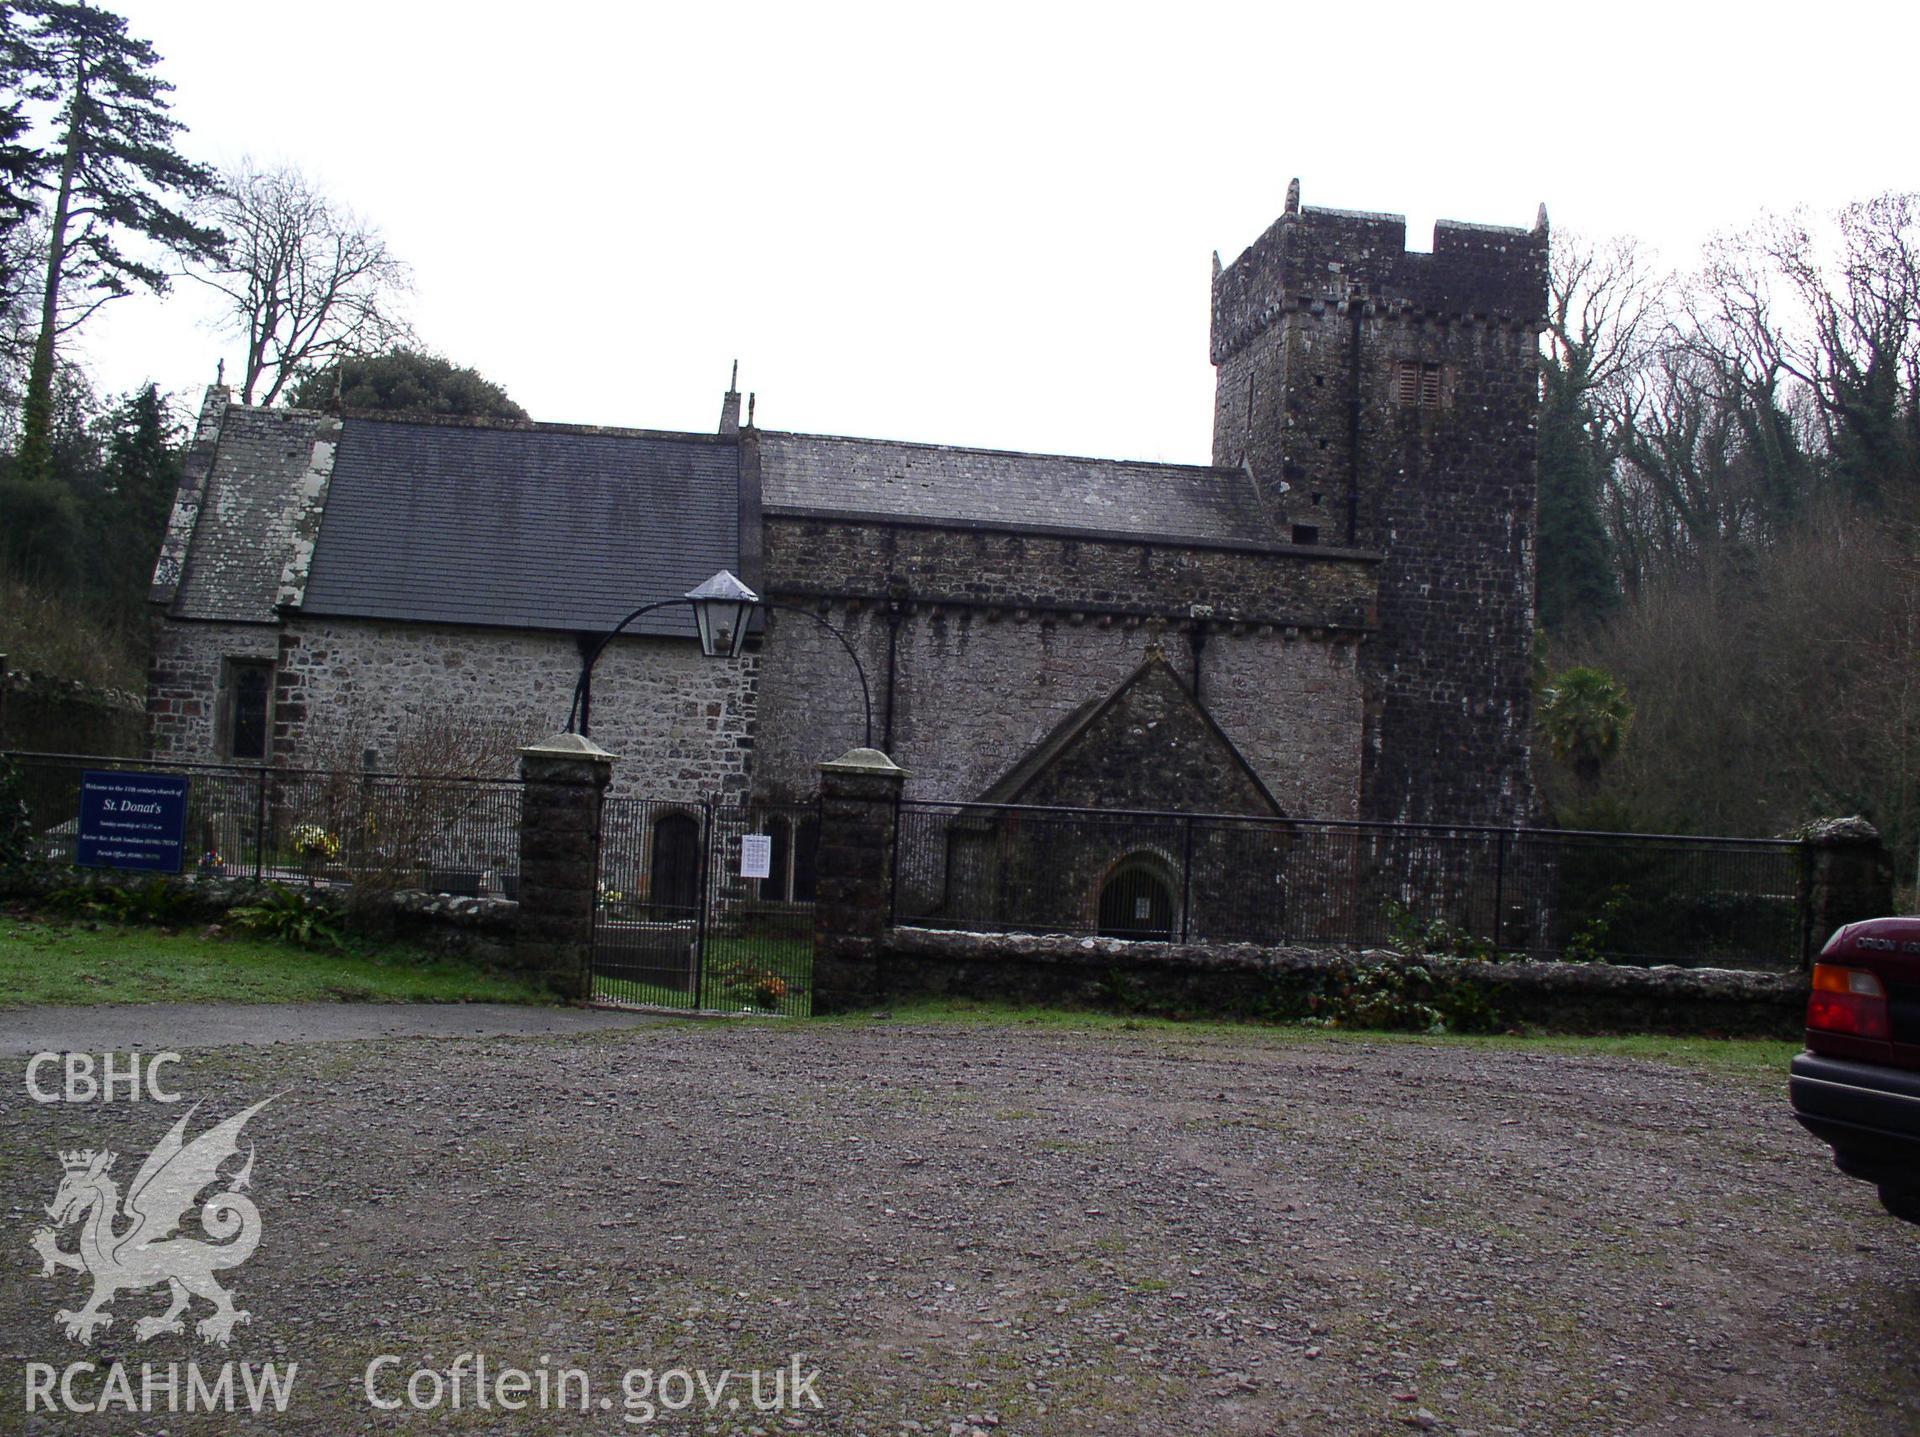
(1332, 619)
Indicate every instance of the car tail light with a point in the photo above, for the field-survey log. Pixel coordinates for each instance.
(1847, 1000)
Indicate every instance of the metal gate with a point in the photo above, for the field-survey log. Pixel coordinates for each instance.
(706, 906)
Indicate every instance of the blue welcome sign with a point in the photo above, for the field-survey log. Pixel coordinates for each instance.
(132, 820)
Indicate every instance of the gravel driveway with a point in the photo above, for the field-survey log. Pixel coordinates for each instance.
(1012, 1230)
(152, 1027)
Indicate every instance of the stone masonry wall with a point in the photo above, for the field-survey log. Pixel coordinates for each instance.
(44, 714)
(1001, 636)
(1387, 398)
(184, 678)
(680, 724)
(1457, 497)
(1150, 739)
(1278, 584)
(1250, 981)
(974, 689)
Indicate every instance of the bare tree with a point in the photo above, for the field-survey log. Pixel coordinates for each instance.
(1709, 458)
(1833, 310)
(306, 281)
(1773, 685)
(396, 794)
(1603, 302)
(1604, 306)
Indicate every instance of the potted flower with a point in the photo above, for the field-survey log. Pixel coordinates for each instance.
(314, 847)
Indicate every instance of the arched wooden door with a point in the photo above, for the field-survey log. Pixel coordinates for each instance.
(1136, 902)
(673, 891)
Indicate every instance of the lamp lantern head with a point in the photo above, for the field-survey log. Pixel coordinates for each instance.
(723, 609)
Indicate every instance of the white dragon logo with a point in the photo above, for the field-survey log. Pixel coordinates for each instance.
(145, 1252)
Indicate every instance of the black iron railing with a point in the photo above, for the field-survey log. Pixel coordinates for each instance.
(706, 905)
(1630, 898)
(444, 834)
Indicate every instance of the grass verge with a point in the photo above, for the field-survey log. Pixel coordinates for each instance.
(1761, 1059)
(761, 974)
(56, 962)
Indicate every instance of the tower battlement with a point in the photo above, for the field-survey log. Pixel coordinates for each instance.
(1312, 256)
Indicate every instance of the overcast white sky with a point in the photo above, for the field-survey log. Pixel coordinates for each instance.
(977, 224)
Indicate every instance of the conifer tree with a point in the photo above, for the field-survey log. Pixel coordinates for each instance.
(20, 164)
(113, 174)
(20, 169)
(134, 497)
(1575, 572)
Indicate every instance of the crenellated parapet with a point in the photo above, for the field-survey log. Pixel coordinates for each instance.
(1312, 258)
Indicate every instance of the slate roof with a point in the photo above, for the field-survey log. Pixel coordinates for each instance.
(893, 479)
(1044, 754)
(246, 516)
(546, 527)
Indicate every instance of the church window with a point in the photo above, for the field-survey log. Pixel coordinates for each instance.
(245, 709)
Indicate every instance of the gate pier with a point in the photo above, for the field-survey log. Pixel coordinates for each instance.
(859, 825)
(566, 780)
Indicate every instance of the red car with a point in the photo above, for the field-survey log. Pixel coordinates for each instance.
(1857, 1086)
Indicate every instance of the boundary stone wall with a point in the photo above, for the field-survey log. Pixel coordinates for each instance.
(1248, 981)
(479, 930)
(52, 715)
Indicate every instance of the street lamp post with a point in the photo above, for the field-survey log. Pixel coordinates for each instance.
(723, 610)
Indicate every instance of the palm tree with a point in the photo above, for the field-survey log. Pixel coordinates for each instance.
(1585, 715)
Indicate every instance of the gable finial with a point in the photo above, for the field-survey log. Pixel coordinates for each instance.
(750, 399)
(1293, 196)
(220, 371)
(734, 382)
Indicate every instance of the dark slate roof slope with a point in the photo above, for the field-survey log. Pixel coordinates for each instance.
(893, 479)
(542, 527)
(245, 527)
(1036, 760)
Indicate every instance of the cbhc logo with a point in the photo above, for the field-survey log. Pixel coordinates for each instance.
(115, 1077)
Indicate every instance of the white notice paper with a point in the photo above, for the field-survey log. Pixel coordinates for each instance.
(756, 855)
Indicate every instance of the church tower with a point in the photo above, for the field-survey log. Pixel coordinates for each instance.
(1386, 400)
